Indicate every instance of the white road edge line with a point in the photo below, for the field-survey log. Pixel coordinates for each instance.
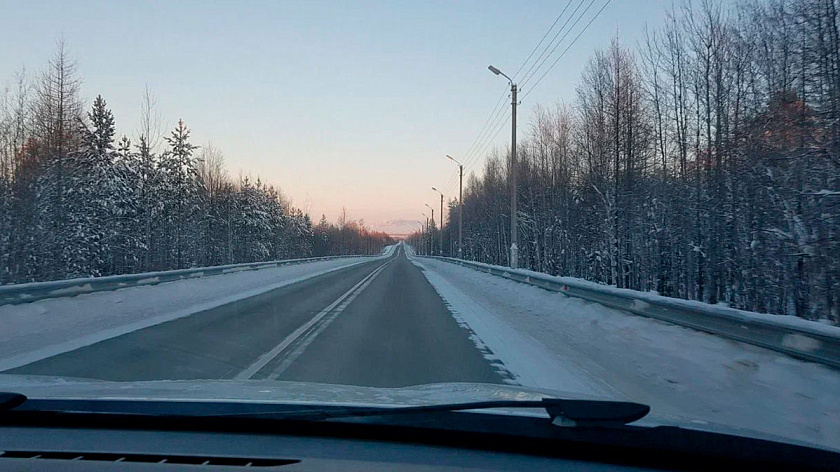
(272, 354)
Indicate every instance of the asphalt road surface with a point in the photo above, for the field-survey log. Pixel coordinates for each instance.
(378, 324)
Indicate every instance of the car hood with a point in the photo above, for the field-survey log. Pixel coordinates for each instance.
(269, 391)
(307, 393)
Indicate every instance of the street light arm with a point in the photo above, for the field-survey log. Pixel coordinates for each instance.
(453, 160)
(498, 72)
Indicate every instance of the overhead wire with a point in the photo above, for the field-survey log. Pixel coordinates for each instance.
(490, 134)
(487, 134)
(478, 143)
(470, 158)
(553, 39)
(482, 131)
(548, 31)
(556, 61)
(495, 134)
(492, 125)
(496, 109)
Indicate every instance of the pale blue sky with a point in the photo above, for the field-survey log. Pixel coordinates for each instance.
(337, 103)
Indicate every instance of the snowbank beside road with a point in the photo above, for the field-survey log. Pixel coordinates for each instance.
(822, 327)
(37, 330)
(548, 340)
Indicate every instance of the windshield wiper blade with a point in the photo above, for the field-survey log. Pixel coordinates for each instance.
(10, 400)
(563, 412)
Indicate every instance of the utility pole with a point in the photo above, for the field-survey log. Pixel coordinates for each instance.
(425, 231)
(431, 233)
(461, 212)
(460, 206)
(514, 250)
(514, 216)
(441, 221)
(420, 237)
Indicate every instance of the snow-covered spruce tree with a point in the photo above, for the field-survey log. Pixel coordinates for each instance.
(92, 197)
(180, 197)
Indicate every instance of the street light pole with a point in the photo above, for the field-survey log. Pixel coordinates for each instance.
(440, 239)
(514, 250)
(426, 230)
(460, 206)
(420, 242)
(441, 220)
(431, 233)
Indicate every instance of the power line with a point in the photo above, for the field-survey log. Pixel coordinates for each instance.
(453, 178)
(547, 46)
(488, 134)
(567, 48)
(486, 146)
(543, 38)
(480, 142)
(469, 155)
(491, 134)
(498, 130)
(548, 56)
(495, 129)
(484, 127)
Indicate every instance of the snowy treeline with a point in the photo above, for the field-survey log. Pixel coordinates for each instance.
(75, 201)
(705, 165)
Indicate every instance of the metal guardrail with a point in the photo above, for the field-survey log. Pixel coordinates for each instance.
(30, 292)
(803, 342)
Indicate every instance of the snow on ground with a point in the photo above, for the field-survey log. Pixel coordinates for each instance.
(548, 340)
(37, 330)
(823, 326)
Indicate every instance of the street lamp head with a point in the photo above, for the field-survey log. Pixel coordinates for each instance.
(436, 190)
(453, 159)
(494, 70)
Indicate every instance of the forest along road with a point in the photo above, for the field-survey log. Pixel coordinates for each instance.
(378, 324)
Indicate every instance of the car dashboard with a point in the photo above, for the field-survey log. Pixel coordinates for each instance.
(62, 449)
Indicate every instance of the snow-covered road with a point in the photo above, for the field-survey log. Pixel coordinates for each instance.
(548, 340)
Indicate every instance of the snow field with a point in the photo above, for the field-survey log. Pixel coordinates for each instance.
(548, 340)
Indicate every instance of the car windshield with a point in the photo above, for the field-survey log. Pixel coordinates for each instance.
(625, 200)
